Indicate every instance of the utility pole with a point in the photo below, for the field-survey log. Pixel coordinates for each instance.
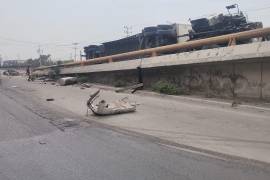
(71, 56)
(128, 30)
(39, 51)
(0, 60)
(75, 50)
(18, 57)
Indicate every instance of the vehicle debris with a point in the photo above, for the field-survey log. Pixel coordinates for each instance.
(236, 103)
(42, 142)
(103, 108)
(67, 81)
(133, 87)
(50, 99)
(86, 85)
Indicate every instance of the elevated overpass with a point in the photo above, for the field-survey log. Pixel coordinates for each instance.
(233, 71)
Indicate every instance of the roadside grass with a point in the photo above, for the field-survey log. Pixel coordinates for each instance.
(54, 73)
(120, 83)
(165, 87)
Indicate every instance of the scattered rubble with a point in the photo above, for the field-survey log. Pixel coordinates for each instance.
(64, 123)
(236, 103)
(42, 142)
(103, 108)
(85, 85)
(45, 79)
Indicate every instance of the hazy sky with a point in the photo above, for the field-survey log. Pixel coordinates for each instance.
(55, 24)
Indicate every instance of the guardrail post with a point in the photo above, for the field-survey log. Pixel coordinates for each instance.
(232, 42)
(110, 60)
(154, 53)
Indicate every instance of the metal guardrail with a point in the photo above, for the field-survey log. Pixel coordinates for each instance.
(230, 39)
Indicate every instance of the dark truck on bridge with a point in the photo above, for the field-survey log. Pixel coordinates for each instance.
(162, 35)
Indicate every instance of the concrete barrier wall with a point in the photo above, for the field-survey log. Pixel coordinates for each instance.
(266, 80)
(228, 79)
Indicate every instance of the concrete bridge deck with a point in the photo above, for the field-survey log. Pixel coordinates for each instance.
(240, 70)
(253, 51)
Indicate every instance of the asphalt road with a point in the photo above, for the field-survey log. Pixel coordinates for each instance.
(39, 142)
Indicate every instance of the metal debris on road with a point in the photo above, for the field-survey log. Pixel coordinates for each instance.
(133, 87)
(103, 108)
(236, 103)
(41, 142)
(86, 85)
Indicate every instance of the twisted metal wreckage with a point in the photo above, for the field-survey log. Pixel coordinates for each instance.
(103, 108)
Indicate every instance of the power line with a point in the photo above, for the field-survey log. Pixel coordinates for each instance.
(258, 9)
(128, 30)
(19, 41)
(75, 50)
(55, 44)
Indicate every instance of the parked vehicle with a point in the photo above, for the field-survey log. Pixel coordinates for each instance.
(11, 72)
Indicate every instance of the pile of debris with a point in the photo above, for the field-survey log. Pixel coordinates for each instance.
(103, 108)
(134, 88)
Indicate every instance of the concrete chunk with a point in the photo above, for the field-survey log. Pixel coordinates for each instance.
(67, 81)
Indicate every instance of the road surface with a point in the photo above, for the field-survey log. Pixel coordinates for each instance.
(40, 142)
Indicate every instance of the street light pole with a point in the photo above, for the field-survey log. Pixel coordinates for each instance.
(75, 51)
(127, 30)
(39, 52)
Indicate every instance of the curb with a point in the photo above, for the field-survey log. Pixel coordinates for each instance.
(218, 102)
